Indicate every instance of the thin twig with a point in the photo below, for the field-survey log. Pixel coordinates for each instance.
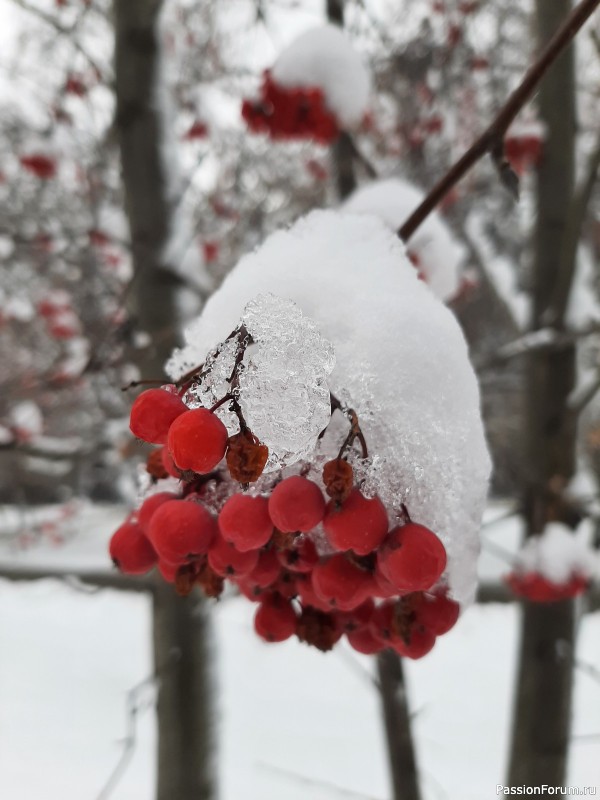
(491, 139)
(133, 705)
(332, 787)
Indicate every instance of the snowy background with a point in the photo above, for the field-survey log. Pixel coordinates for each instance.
(292, 722)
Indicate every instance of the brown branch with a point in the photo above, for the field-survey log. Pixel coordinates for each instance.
(491, 138)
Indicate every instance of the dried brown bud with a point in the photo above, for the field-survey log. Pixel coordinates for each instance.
(317, 628)
(211, 583)
(283, 541)
(155, 466)
(338, 478)
(185, 579)
(246, 457)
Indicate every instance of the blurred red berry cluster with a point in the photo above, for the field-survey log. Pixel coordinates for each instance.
(298, 113)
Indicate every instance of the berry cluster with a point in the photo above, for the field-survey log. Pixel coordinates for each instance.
(539, 589)
(318, 556)
(298, 113)
(523, 149)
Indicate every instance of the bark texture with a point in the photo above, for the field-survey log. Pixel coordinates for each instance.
(179, 626)
(544, 680)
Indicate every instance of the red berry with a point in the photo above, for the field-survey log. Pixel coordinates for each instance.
(229, 562)
(181, 530)
(539, 589)
(419, 642)
(130, 551)
(275, 619)
(39, 165)
(153, 413)
(251, 590)
(149, 506)
(168, 571)
(358, 524)
(412, 558)
(382, 624)
(358, 618)
(309, 597)
(363, 641)
(340, 583)
(436, 612)
(168, 463)
(296, 504)
(244, 521)
(300, 558)
(197, 440)
(266, 570)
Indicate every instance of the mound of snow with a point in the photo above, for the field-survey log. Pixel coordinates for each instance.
(438, 253)
(558, 554)
(323, 57)
(400, 361)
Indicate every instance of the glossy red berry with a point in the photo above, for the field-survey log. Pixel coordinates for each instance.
(181, 530)
(358, 524)
(153, 413)
(359, 617)
(412, 558)
(244, 521)
(197, 440)
(168, 463)
(436, 612)
(168, 571)
(275, 619)
(419, 642)
(131, 551)
(229, 562)
(296, 504)
(340, 583)
(363, 641)
(267, 569)
(382, 623)
(150, 505)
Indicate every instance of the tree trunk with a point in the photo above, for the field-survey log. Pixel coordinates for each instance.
(543, 700)
(181, 656)
(394, 702)
(179, 627)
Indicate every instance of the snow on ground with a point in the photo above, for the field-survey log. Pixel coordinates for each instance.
(293, 723)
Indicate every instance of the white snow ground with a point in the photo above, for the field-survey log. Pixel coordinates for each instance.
(293, 723)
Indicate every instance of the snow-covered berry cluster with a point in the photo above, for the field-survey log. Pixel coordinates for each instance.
(317, 87)
(317, 569)
(556, 565)
(325, 456)
(297, 113)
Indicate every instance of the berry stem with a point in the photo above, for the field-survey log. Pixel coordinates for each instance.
(355, 431)
(221, 402)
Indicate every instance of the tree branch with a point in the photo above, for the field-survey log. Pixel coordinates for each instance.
(491, 139)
